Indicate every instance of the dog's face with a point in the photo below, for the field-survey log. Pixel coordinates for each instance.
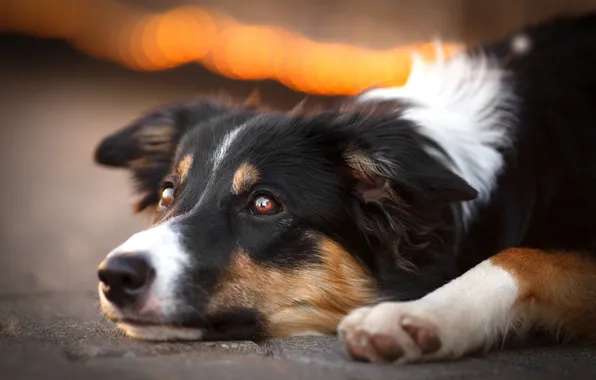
(268, 224)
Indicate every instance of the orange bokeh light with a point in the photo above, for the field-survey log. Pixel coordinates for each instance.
(140, 40)
(246, 51)
(185, 34)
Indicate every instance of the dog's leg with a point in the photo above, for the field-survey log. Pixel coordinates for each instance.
(506, 294)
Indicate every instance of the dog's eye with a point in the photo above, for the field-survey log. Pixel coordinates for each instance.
(264, 205)
(167, 197)
(168, 190)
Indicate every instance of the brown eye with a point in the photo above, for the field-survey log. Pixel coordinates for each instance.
(167, 197)
(264, 205)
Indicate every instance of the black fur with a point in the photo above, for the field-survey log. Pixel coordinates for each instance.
(409, 235)
(123, 148)
(545, 198)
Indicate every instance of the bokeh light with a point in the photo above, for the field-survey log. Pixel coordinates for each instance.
(141, 40)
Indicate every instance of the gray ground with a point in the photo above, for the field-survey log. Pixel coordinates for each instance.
(61, 334)
(60, 215)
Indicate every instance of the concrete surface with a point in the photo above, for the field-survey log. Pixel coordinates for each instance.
(60, 214)
(61, 334)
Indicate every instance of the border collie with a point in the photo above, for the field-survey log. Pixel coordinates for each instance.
(424, 222)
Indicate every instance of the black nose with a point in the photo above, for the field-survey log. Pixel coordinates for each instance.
(125, 277)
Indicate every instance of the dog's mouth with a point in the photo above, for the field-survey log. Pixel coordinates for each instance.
(231, 325)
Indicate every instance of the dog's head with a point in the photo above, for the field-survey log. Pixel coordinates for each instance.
(272, 224)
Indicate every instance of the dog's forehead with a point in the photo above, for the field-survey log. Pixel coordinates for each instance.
(212, 151)
(203, 138)
(263, 140)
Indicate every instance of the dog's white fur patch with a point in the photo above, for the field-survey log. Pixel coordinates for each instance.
(224, 147)
(469, 313)
(218, 157)
(162, 246)
(467, 106)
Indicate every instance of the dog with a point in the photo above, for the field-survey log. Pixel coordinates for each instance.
(419, 223)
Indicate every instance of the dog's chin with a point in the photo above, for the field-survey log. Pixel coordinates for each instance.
(230, 325)
(161, 333)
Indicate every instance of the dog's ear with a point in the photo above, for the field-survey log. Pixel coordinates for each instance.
(400, 191)
(385, 153)
(151, 137)
(155, 135)
(147, 145)
(380, 169)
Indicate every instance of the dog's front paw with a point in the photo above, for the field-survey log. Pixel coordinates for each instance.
(394, 332)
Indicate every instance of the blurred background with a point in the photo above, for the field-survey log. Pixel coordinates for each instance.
(72, 71)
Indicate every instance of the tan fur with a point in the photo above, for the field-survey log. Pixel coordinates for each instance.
(141, 162)
(155, 138)
(372, 180)
(363, 167)
(253, 100)
(557, 289)
(310, 298)
(300, 108)
(183, 167)
(306, 108)
(245, 177)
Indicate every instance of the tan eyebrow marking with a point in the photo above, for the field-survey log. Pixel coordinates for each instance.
(183, 167)
(245, 177)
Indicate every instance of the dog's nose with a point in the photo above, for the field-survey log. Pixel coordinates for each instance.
(125, 277)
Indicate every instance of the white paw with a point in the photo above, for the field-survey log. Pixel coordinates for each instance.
(469, 314)
(397, 332)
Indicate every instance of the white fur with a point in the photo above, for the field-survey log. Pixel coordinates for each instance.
(225, 145)
(479, 303)
(466, 105)
(147, 332)
(161, 244)
(469, 313)
(218, 157)
(309, 333)
(161, 333)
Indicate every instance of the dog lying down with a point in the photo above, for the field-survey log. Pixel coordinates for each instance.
(420, 223)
